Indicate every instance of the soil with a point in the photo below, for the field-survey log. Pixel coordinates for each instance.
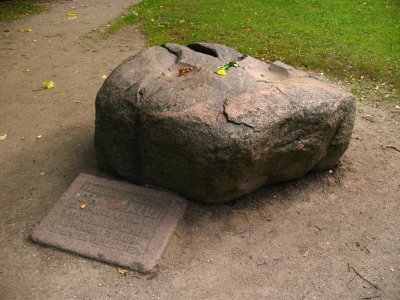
(332, 235)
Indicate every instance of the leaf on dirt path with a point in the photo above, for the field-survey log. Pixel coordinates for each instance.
(221, 72)
(391, 269)
(390, 147)
(49, 85)
(39, 136)
(42, 173)
(82, 205)
(306, 253)
(77, 101)
(3, 137)
(71, 13)
(122, 271)
(25, 30)
(104, 76)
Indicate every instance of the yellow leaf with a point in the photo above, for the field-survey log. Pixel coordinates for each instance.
(39, 136)
(221, 72)
(71, 14)
(122, 271)
(3, 137)
(49, 85)
(104, 76)
(77, 101)
(25, 30)
(42, 173)
(82, 205)
(71, 18)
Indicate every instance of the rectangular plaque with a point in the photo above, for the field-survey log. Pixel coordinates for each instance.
(112, 221)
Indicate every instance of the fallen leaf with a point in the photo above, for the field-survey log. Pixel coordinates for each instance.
(82, 205)
(104, 76)
(77, 101)
(39, 136)
(71, 14)
(3, 137)
(397, 107)
(122, 271)
(221, 72)
(22, 138)
(391, 269)
(25, 30)
(49, 85)
(185, 70)
(182, 21)
(330, 171)
(72, 18)
(306, 254)
(42, 173)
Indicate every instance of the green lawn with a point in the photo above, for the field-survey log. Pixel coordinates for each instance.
(14, 9)
(345, 38)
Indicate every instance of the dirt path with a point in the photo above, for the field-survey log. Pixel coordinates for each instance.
(326, 236)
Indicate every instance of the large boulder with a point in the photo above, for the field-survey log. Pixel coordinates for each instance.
(164, 117)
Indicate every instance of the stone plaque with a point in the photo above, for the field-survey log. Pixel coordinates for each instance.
(111, 221)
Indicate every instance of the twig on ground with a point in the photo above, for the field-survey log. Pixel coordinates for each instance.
(362, 277)
(390, 147)
(369, 118)
(263, 263)
(371, 297)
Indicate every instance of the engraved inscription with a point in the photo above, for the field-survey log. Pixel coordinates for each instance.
(122, 220)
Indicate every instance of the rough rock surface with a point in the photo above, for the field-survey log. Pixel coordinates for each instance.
(214, 138)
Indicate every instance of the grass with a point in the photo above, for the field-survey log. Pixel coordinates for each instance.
(352, 40)
(15, 9)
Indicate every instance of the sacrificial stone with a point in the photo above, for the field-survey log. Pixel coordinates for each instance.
(165, 117)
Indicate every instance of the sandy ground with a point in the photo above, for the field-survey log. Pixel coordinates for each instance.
(325, 236)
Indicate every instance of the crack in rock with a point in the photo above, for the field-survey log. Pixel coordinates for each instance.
(233, 121)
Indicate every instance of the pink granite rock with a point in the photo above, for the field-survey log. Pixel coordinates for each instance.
(213, 138)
